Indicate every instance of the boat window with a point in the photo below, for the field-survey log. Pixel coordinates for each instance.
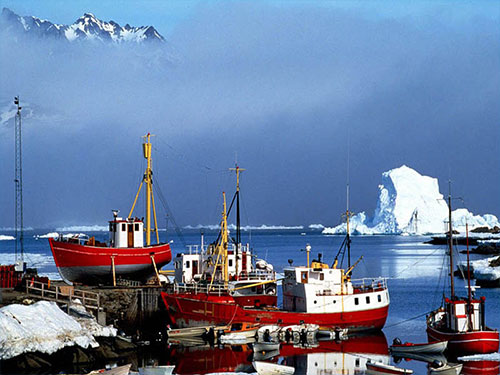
(321, 276)
(137, 227)
(357, 362)
(124, 228)
(230, 263)
(111, 227)
(356, 301)
(379, 297)
(367, 299)
(303, 277)
(187, 264)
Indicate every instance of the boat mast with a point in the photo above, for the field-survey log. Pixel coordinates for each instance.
(469, 304)
(450, 244)
(150, 201)
(224, 241)
(348, 214)
(238, 170)
(19, 230)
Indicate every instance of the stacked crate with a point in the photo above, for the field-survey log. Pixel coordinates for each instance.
(9, 277)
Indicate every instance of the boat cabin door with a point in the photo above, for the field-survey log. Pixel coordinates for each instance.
(130, 235)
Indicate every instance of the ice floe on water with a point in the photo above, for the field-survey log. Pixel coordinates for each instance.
(247, 227)
(47, 235)
(3, 237)
(410, 203)
(83, 228)
(44, 327)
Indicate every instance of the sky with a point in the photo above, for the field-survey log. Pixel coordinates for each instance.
(288, 89)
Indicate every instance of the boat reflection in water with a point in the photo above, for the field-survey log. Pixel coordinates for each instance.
(324, 357)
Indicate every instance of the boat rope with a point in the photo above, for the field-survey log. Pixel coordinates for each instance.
(166, 207)
(414, 264)
(409, 319)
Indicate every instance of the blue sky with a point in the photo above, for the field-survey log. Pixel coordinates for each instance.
(280, 84)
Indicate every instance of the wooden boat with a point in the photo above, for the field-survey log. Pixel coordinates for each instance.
(382, 368)
(268, 368)
(461, 320)
(248, 330)
(85, 260)
(193, 331)
(429, 347)
(119, 370)
(446, 369)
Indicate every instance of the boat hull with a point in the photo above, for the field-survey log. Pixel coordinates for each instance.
(94, 264)
(475, 342)
(187, 310)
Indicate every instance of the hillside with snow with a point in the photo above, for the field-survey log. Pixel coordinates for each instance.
(410, 203)
(86, 28)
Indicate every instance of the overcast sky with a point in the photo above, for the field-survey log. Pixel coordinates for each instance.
(283, 87)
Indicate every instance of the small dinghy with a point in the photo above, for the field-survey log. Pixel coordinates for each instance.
(408, 347)
(268, 368)
(441, 368)
(382, 368)
(119, 370)
(156, 370)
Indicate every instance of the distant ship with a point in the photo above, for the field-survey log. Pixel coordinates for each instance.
(461, 320)
(85, 260)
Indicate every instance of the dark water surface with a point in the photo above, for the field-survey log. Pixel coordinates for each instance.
(417, 277)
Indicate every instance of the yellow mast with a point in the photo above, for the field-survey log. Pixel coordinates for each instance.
(148, 180)
(224, 241)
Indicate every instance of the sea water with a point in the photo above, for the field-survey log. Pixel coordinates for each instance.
(417, 276)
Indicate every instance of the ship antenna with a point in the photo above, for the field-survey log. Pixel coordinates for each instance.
(19, 230)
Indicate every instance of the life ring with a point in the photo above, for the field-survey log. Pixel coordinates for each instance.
(271, 290)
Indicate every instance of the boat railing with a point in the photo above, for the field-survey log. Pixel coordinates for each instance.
(369, 284)
(195, 288)
(257, 275)
(196, 249)
(80, 239)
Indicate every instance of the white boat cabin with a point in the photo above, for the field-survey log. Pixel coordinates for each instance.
(126, 233)
(199, 261)
(320, 289)
(458, 317)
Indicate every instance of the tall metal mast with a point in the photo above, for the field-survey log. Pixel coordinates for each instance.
(348, 231)
(238, 170)
(19, 230)
(450, 243)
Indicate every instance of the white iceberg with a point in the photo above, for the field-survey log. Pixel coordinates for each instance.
(410, 203)
(3, 237)
(44, 327)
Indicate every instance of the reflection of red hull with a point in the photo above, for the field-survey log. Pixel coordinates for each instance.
(186, 310)
(91, 264)
(205, 360)
(481, 368)
(374, 343)
(475, 342)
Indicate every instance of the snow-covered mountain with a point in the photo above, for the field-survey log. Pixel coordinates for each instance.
(87, 27)
(412, 204)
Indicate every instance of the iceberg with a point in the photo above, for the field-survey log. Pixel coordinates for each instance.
(410, 203)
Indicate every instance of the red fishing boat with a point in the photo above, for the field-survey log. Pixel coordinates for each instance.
(85, 260)
(461, 320)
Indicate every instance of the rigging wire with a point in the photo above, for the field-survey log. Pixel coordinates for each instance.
(165, 205)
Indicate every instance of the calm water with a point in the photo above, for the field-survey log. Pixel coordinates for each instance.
(416, 284)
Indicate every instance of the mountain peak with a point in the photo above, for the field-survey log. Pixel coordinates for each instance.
(87, 27)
